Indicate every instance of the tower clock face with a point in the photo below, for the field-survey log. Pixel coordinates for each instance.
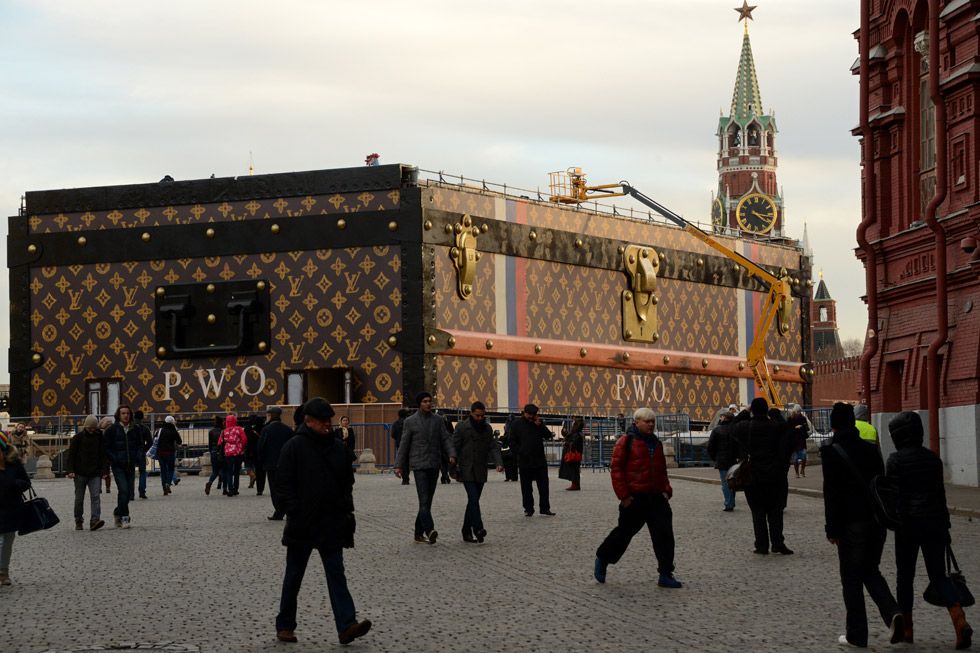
(717, 214)
(756, 213)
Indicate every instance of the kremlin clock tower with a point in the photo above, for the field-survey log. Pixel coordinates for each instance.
(747, 200)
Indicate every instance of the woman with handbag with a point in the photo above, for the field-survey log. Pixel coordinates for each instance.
(925, 522)
(571, 455)
(13, 482)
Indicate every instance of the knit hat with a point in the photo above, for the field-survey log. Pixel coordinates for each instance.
(170, 420)
(91, 422)
(420, 396)
(105, 422)
(841, 416)
(861, 412)
(4, 440)
(318, 408)
(906, 429)
(759, 406)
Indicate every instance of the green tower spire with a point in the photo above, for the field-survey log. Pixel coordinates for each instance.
(746, 99)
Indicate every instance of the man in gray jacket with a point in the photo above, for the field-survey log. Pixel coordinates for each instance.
(424, 438)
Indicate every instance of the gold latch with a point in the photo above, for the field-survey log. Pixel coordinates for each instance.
(465, 255)
(640, 302)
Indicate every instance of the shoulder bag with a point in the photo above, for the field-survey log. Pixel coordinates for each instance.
(963, 595)
(36, 515)
(739, 475)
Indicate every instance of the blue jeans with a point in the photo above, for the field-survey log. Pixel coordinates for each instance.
(166, 461)
(125, 476)
(472, 519)
(216, 468)
(233, 470)
(729, 495)
(425, 486)
(341, 603)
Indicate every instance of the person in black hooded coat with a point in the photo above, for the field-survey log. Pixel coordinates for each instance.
(925, 521)
(851, 527)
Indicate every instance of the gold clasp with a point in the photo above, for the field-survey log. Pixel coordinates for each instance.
(640, 301)
(465, 255)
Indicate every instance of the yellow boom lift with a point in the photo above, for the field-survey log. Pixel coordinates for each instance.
(569, 187)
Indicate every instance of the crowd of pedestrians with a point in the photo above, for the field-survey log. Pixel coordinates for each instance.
(310, 477)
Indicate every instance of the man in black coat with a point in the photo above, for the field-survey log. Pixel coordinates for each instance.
(274, 436)
(314, 488)
(849, 464)
(766, 440)
(527, 436)
(724, 452)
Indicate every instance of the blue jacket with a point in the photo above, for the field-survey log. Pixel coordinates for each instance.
(123, 447)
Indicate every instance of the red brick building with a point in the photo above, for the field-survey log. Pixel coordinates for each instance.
(919, 75)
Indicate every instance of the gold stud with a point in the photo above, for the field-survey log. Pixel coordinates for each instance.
(645, 254)
(81, 241)
(341, 224)
(467, 221)
(427, 225)
(274, 228)
(431, 340)
(260, 285)
(628, 296)
(212, 318)
(209, 233)
(160, 291)
(655, 337)
(484, 228)
(775, 368)
(704, 362)
(533, 236)
(809, 284)
(628, 334)
(145, 237)
(661, 257)
(620, 249)
(467, 289)
(626, 357)
(666, 360)
(537, 349)
(263, 346)
(458, 228)
(796, 283)
(161, 352)
(489, 344)
(452, 341)
(583, 352)
(632, 259)
(449, 228)
(476, 231)
(784, 326)
(209, 288)
(392, 341)
(735, 267)
(31, 249)
(36, 358)
(578, 242)
(700, 262)
(741, 366)
(479, 255)
(392, 226)
(655, 299)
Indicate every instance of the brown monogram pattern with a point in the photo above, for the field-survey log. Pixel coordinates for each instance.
(279, 208)
(330, 308)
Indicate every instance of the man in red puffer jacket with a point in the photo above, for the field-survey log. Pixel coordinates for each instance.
(639, 478)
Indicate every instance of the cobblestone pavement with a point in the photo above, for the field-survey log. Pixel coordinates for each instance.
(198, 573)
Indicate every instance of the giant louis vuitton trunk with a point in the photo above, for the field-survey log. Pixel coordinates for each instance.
(370, 285)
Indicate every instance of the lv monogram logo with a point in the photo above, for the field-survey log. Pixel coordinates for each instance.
(75, 296)
(294, 283)
(130, 362)
(130, 296)
(76, 364)
(352, 279)
(297, 349)
(352, 348)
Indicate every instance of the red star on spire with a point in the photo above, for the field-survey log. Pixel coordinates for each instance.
(745, 11)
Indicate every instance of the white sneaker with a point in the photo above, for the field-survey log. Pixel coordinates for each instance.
(125, 522)
(842, 640)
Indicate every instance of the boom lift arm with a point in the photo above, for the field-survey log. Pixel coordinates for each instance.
(778, 301)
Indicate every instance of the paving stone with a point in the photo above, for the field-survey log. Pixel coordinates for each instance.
(203, 573)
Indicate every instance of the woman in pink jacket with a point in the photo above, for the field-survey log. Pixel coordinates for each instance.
(233, 439)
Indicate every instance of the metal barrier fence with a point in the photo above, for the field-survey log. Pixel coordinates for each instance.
(820, 422)
(377, 438)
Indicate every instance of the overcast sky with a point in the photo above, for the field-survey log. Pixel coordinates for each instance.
(114, 92)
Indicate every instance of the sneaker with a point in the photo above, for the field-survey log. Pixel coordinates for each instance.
(897, 628)
(481, 535)
(357, 630)
(96, 525)
(421, 539)
(117, 520)
(126, 522)
(842, 640)
(600, 570)
(432, 536)
(78, 526)
(286, 636)
(668, 580)
(782, 549)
